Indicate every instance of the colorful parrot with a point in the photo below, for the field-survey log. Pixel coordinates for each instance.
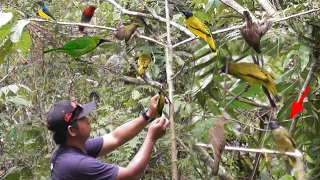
(253, 32)
(253, 74)
(44, 12)
(282, 139)
(143, 63)
(199, 29)
(78, 47)
(126, 32)
(87, 14)
(218, 142)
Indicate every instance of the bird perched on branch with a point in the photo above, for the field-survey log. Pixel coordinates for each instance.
(199, 29)
(87, 15)
(253, 31)
(218, 142)
(126, 32)
(282, 139)
(253, 74)
(78, 47)
(44, 12)
(143, 63)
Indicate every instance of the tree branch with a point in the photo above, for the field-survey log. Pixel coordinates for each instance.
(305, 85)
(159, 18)
(267, 6)
(242, 25)
(237, 7)
(169, 55)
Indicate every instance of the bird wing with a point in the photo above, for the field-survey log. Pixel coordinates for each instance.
(161, 101)
(46, 11)
(196, 24)
(287, 135)
(253, 71)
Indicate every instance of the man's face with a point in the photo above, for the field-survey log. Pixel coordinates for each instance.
(84, 128)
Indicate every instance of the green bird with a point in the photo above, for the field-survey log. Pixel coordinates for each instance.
(161, 102)
(78, 47)
(282, 139)
(126, 32)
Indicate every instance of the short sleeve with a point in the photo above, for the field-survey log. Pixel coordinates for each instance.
(90, 168)
(94, 146)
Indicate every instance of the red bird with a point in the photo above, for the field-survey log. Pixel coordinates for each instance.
(87, 15)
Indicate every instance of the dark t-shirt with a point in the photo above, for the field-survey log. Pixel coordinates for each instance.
(71, 163)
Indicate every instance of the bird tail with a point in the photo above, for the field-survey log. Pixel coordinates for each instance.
(50, 50)
(210, 42)
(215, 168)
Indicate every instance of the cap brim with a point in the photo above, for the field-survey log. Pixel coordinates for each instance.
(87, 109)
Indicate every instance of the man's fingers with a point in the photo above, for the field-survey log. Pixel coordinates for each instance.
(161, 122)
(165, 124)
(155, 97)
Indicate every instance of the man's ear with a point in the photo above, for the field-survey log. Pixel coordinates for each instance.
(71, 131)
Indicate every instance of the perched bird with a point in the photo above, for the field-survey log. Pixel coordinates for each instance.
(143, 63)
(218, 142)
(78, 47)
(44, 12)
(199, 29)
(253, 31)
(161, 102)
(126, 32)
(94, 96)
(87, 15)
(282, 139)
(253, 74)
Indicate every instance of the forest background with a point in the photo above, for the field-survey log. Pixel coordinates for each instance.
(31, 82)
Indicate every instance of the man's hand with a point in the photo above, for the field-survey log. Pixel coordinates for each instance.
(157, 128)
(152, 111)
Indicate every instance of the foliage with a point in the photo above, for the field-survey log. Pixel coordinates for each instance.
(31, 82)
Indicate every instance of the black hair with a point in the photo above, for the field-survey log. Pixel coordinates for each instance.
(60, 137)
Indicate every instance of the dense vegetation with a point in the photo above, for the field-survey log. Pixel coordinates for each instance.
(31, 82)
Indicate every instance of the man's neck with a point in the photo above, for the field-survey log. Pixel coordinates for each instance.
(76, 144)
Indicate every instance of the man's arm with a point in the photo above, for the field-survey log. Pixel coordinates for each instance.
(127, 131)
(140, 161)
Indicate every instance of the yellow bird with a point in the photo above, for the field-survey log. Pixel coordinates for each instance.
(199, 29)
(282, 139)
(143, 63)
(44, 12)
(253, 74)
(161, 102)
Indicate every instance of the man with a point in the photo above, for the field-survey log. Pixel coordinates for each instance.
(75, 156)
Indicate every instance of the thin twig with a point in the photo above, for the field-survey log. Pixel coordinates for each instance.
(225, 84)
(175, 75)
(305, 85)
(149, 39)
(296, 154)
(7, 74)
(159, 18)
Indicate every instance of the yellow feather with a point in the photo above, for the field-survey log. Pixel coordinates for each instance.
(201, 30)
(254, 74)
(44, 16)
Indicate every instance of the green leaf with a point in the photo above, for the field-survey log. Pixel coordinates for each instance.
(19, 100)
(5, 30)
(208, 5)
(304, 56)
(25, 42)
(285, 110)
(13, 88)
(5, 49)
(17, 30)
(5, 18)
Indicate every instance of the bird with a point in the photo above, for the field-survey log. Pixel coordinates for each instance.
(282, 139)
(44, 12)
(253, 31)
(161, 102)
(87, 14)
(199, 29)
(218, 142)
(253, 74)
(126, 32)
(78, 47)
(143, 63)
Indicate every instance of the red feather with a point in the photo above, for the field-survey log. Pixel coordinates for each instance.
(89, 11)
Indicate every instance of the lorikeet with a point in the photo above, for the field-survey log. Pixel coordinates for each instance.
(126, 32)
(282, 139)
(218, 142)
(161, 102)
(253, 74)
(87, 14)
(199, 29)
(78, 47)
(44, 12)
(253, 31)
(143, 63)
